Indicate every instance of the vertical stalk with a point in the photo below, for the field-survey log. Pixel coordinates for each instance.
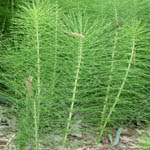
(121, 88)
(112, 68)
(74, 90)
(36, 114)
(56, 48)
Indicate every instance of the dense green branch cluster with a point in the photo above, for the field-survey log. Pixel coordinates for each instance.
(90, 63)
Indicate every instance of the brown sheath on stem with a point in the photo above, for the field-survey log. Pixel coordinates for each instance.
(29, 86)
(74, 33)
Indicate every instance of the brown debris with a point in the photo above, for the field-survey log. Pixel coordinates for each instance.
(74, 33)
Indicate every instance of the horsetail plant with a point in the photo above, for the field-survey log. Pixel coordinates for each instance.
(61, 69)
(123, 82)
(112, 68)
(81, 36)
(30, 38)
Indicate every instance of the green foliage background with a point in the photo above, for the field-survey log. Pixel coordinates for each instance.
(88, 59)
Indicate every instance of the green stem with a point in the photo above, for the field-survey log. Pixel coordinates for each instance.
(74, 91)
(112, 68)
(56, 48)
(36, 116)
